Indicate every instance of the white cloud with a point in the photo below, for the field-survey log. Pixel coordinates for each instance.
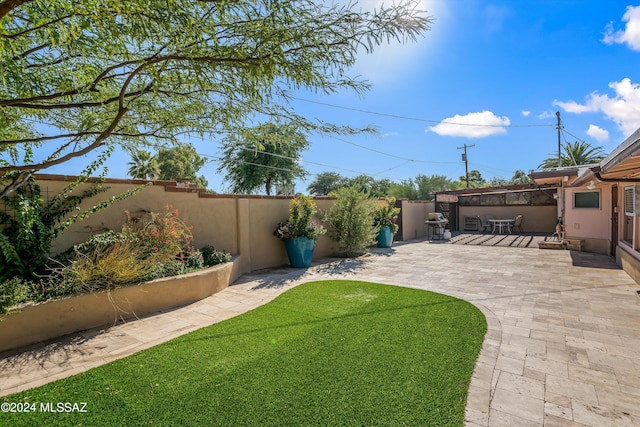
(631, 33)
(546, 115)
(387, 134)
(574, 107)
(473, 125)
(525, 113)
(597, 133)
(623, 108)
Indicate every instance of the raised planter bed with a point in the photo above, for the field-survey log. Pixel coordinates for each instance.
(52, 319)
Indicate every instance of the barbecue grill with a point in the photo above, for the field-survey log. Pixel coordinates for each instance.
(435, 223)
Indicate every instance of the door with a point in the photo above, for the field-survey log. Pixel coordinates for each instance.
(614, 220)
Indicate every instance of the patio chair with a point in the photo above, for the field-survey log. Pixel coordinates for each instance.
(517, 224)
(485, 223)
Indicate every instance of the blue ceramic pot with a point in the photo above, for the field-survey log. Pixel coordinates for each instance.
(385, 237)
(300, 251)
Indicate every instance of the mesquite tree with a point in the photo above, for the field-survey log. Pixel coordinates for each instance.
(79, 75)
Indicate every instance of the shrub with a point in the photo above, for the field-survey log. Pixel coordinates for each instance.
(386, 215)
(212, 256)
(12, 292)
(300, 222)
(162, 236)
(350, 219)
(107, 266)
(29, 223)
(150, 247)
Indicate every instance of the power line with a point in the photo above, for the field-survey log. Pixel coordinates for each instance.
(389, 154)
(416, 119)
(295, 159)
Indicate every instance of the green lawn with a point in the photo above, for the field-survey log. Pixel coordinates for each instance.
(331, 353)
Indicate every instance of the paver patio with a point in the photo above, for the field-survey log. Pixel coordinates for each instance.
(562, 348)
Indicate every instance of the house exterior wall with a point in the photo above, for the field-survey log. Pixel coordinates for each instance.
(591, 225)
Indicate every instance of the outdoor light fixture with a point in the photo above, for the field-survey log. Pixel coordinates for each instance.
(592, 185)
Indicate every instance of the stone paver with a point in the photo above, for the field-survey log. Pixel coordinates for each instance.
(562, 347)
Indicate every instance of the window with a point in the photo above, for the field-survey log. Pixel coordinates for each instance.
(586, 200)
(630, 201)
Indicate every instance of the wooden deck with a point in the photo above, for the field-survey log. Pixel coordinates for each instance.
(526, 240)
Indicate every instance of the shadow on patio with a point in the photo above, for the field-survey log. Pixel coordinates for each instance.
(525, 240)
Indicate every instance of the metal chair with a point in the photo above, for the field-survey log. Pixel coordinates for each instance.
(517, 224)
(485, 223)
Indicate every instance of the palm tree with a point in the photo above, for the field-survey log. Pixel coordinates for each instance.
(575, 154)
(143, 165)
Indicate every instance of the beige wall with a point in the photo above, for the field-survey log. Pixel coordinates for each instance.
(589, 223)
(239, 224)
(414, 214)
(536, 219)
(213, 220)
(39, 322)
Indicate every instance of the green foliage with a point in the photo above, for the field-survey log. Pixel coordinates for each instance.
(574, 154)
(181, 162)
(143, 165)
(32, 224)
(475, 179)
(152, 246)
(262, 157)
(421, 187)
(351, 219)
(12, 293)
(161, 236)
(520, 177)
(369, 185)
(326, 182)
(108, 266)
(317, 351)
(386, 215)
(212, 256)
(301, 222)
(136, 72)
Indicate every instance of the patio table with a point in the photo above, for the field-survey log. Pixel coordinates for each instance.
(501, 225)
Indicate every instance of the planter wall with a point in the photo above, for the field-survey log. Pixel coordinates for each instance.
(53, 319)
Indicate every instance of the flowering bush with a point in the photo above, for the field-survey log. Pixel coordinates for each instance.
(300, 222)
(386, 215)
(149, 247)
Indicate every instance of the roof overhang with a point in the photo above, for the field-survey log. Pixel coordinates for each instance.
(622, 165)
(554, 176)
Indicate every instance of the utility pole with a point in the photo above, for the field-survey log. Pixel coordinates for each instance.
(466, 162)
(559, 128)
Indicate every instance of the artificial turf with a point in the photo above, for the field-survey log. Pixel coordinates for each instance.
(327, 353)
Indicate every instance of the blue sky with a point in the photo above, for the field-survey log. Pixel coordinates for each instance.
(507, 64)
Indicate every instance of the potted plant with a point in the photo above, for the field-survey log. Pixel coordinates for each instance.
(384, 220)
(300, 231)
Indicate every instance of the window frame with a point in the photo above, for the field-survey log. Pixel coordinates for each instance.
(598, 192)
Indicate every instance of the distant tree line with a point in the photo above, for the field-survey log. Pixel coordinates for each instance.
(422, 187)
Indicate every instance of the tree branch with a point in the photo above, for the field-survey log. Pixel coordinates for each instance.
(7, 6)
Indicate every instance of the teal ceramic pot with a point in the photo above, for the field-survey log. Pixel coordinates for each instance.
(385, 237)
(300, 251)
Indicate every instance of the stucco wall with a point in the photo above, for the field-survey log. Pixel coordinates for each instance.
(53, 319)
(242, 225)
(213, 219)
(536, 219)
(589, 223)
(414, 214)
